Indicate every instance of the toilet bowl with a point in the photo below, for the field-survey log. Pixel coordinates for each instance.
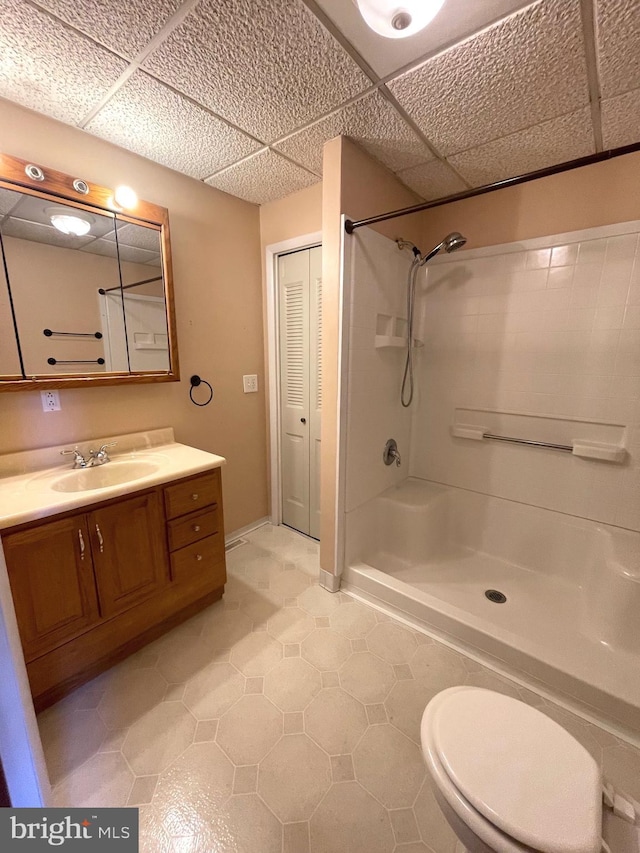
(509, 779)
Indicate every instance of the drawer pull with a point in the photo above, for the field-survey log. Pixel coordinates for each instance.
(194, 497)
(100, 539)
(196, 528)
(81, 539)
(198, 557)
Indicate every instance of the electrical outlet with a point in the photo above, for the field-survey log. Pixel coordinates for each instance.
(250, 383)
(50, 401)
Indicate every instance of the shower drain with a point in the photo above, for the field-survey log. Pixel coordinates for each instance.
(496, 596)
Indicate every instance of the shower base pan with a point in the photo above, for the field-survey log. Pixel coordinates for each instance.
(549, 597)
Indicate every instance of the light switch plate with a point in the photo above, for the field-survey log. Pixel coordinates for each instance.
(250, 383)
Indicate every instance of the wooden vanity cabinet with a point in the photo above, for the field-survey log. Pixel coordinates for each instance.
(127, 541)
(52, 582)
(91, 587)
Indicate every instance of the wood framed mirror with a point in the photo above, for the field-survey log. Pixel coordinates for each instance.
(86, 286)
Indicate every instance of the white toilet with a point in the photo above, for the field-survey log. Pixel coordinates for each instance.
(511, 780)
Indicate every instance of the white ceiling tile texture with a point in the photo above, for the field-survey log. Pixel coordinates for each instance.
(525, 70)
(122, 25)
(618, 37)
(497, 88)
(373, 123)
(432, 180)
(621, 120)
(268, 67)
(262, 177)
(538, 147)
(152, 120)
(49, 67)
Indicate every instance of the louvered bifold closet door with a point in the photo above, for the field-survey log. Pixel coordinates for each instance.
(294, 293)
(315, 391)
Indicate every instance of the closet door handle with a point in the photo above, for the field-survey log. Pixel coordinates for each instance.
(82, 546)
(100, 539)
(303, 420)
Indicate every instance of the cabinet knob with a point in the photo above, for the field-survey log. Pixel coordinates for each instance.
(194, 497)
(196, 528)
(198, 557)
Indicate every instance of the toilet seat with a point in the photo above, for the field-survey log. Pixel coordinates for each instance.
(476, 743)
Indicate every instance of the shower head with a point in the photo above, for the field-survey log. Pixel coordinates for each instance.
(451, 243)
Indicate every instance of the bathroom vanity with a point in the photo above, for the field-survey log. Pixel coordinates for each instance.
(103, 560)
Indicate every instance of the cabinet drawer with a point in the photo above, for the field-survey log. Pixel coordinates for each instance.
(191, 528)
(200, 559)
(193, 494)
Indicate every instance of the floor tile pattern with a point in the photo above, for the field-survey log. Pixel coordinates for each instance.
(282, 719)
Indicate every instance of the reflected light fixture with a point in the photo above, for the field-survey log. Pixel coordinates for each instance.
(125, 197)
(73, 224)
(396, 19)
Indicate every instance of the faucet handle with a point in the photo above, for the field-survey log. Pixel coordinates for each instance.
(79, 460)
(104, 447)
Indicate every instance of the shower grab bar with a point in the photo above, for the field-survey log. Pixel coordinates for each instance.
(567, 448)
(605, 452)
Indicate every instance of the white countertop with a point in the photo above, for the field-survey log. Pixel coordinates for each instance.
(28, 479)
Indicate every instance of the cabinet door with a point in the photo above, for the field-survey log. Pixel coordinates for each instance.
(52, 582)
(129, 553)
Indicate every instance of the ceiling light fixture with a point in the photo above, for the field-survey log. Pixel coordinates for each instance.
(125, 197)
(73, 224)
(397, 19)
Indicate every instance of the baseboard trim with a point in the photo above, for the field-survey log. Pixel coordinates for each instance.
(329, 581)
(248, 528)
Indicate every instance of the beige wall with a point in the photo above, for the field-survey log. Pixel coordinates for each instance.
(216, 266)
(357, 186)
(600, 194)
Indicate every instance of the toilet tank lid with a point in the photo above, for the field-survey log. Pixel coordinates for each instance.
(521, 770)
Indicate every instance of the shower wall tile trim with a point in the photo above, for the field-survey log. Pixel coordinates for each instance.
(546, 327)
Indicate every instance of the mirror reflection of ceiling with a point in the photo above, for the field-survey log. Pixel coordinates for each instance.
(243, 93)
(29, 218)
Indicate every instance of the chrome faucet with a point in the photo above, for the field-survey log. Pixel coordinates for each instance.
(391, 454)
(78, 460)
(96, 457)
(99, 457)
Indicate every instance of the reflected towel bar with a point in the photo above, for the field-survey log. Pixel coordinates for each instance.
(48, 333)
(58, 361)
(567, 448)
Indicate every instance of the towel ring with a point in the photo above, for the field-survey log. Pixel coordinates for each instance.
(195, 381)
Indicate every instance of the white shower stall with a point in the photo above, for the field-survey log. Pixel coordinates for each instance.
(512, 525)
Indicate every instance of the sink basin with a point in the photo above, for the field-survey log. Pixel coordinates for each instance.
(103, 476)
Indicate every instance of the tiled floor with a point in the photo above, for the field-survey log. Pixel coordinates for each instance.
(283, 719)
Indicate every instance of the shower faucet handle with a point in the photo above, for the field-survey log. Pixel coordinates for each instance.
(390, 453)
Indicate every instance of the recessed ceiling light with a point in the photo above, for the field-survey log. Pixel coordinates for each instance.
(73, 224)
(125, 197)
(396, 19)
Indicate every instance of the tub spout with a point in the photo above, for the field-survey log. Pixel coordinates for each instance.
(391, 454)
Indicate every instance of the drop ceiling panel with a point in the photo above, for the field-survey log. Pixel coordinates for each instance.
(546, 144)
(432, 180)
(8, 200)
(38, 233)
(152, 120)
(621, 120)
(121, 25)
(136, 236)
(455, 21)
(267, 67)
(618, 36)
(50, 68)
(262, 177)
(523, 71)
(373, 123)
